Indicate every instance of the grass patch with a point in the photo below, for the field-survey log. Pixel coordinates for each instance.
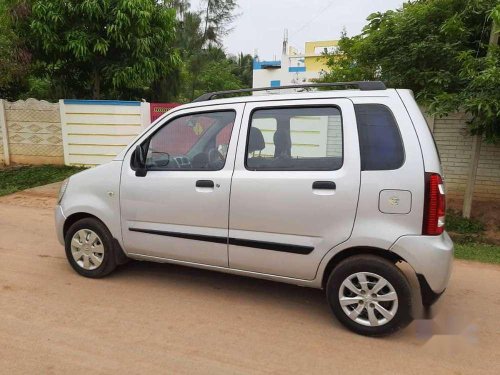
(25, 177)
(478, 251)
(458, 224)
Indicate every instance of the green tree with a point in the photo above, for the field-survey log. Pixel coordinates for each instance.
(243, 68)
(14, 60)
(217, 76)
(219, 14)
(126, 49)
(343, 64)
(437, 48)
(480, 95)
(199, 42)
(100, 48)
(209, 70)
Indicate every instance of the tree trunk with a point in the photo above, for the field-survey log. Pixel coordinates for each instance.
(96, 89)
(476, 149)
(206, 22)
(193, 87)
(471, 176)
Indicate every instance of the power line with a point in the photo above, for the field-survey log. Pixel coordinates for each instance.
(313, 18)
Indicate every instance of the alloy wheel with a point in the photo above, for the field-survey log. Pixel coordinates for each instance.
(368, 299)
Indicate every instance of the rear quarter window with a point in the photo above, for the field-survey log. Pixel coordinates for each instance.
(380, 142)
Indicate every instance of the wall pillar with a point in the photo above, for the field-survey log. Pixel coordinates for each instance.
(145, 115)
(5, 134)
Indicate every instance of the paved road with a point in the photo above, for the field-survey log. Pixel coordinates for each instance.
(152, 318)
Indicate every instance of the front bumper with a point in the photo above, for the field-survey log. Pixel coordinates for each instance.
(431, 257)
(60, 219)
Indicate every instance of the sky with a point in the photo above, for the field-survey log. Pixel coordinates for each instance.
(261, 23)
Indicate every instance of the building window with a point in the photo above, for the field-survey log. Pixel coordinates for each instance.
(276, 83)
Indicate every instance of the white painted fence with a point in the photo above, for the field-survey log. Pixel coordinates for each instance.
(95, 131)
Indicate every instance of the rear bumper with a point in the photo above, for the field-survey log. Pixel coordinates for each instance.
(431, 257)
(59, 219)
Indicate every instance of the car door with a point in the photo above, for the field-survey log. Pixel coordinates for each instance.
(295, 185)
(179, 210)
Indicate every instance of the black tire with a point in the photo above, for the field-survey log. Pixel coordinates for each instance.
(108, 260)
(383, 268)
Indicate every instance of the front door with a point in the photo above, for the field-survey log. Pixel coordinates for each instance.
(295, 185)
(180, 209)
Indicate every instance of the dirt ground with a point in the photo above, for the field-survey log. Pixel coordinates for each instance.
(157, 318)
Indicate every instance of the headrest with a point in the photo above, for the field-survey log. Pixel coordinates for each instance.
(256, 141)
(282, 143)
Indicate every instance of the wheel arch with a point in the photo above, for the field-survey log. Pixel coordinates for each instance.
(73, 218)
(120, 256)
(358, 250)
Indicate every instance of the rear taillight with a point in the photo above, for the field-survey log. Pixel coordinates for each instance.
(435, 205)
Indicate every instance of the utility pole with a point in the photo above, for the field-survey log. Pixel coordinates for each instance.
(476, 146)
(285, 43)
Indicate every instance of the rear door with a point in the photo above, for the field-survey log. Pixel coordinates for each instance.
(295, 185)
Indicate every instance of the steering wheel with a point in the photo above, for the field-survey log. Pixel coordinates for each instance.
(214, 156)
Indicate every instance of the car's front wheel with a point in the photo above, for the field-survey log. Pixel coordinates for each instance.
(369, 295)
(89, 248)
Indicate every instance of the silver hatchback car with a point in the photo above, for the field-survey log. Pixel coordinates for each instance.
(325, 189)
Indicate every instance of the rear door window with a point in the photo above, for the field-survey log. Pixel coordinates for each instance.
(295, 139)
(380, 141)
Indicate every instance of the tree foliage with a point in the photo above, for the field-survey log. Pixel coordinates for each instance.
(206, 67)
(217, 76)
(243, 68)
(160, 50)
(437, 48)
(219, 15)
(14, 61)
(115, 45)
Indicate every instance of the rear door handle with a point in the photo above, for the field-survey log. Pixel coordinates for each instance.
(205, 184)
(324, 185)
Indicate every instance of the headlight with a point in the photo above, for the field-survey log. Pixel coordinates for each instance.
(62, 190)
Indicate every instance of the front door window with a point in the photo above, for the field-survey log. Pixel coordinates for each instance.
(192, 142)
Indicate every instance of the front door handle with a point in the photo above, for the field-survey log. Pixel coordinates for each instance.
(205, 184)
(324, 185)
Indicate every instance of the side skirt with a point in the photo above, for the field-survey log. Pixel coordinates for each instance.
(288, 280)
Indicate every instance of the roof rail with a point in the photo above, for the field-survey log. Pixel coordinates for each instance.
(361, 85)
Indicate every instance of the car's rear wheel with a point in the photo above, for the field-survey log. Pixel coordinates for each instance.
(369, 295)
(89, 248)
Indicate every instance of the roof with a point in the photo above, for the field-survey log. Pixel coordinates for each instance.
(368, 89)
(287, 97)
(294, 96)
(361, 85)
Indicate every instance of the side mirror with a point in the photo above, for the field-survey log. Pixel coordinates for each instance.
(139, 161)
